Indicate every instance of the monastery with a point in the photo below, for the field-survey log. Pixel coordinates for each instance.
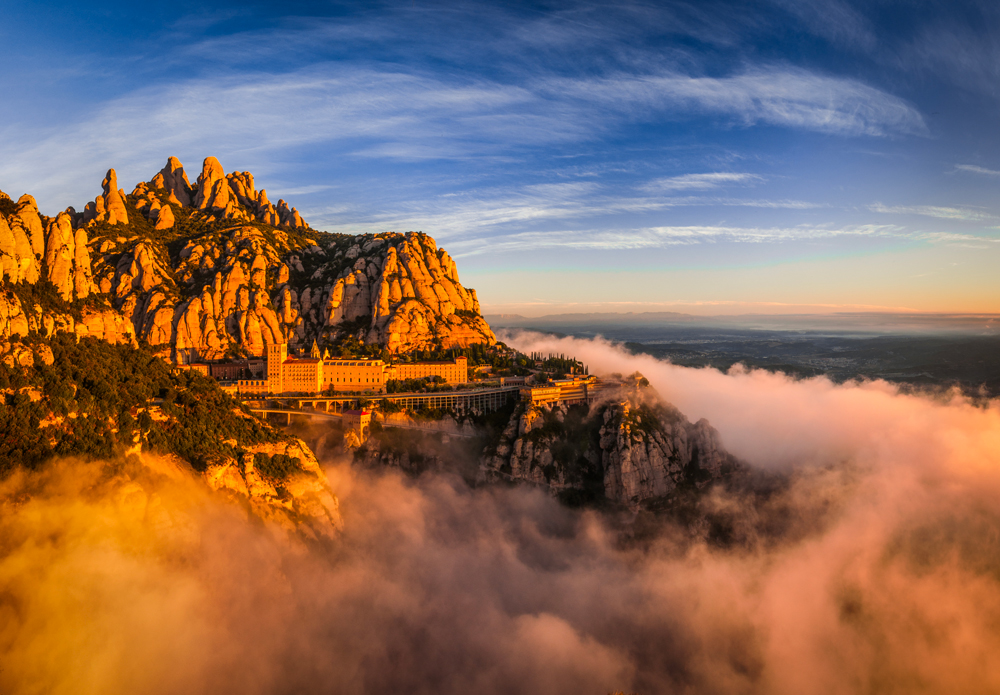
(281, 374)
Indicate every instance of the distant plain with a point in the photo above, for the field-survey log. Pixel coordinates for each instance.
(925, 351)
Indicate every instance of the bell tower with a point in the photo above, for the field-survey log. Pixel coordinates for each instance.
(277, 353)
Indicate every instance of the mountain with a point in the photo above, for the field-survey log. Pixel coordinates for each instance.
(215, 268)
(91, 300)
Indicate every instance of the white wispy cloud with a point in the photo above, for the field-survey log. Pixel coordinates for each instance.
(661, 237)
(253, 120)
(702, 181)
(975, 169)
(504, 211)
(970, 240)
(834, 20)
(788, 97)
(940, 212)
(666, 236)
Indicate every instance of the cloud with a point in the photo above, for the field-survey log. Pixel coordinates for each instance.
(956, 44)
(502, 212)
(354, 111)
(834, 20)
(660, 237)
(777, 96)
(968, 240)
(940, 212)
(872, 558)
(702, 181)
(975, 169)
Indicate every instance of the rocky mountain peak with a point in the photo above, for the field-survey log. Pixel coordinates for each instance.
(214, 268)
(174, 181)
(216, 196)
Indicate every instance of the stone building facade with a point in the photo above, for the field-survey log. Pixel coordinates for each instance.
(290, 375)
(454, 372)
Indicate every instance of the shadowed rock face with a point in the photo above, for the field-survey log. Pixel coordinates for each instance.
(215, 266)
(630, 450)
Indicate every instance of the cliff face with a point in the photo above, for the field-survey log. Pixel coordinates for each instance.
(301, 502)
(630, 450)
(215, 267)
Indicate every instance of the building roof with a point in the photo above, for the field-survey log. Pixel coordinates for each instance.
(428, 363)
(372, 360)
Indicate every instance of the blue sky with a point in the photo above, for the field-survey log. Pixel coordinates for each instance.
(710, 157)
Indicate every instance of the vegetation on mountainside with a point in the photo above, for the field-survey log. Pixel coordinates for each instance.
(500, 357)
(428, 384)
(573, 437)
(7, 206)
(45, 295)
(276, 466)
(99, 400)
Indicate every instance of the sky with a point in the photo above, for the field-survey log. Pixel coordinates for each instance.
(780, 156)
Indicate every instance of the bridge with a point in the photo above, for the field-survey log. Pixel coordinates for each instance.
(429, 426)
(484, 400)
(288, 412)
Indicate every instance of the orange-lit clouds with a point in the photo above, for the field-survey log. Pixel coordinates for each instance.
(874, 568)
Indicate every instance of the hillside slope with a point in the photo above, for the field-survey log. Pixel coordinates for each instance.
(64, 398)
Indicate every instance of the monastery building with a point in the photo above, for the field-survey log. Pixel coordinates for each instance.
(288, 375)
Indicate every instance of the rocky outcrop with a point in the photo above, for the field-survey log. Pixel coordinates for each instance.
(13, 320)
(67, 258)
(301, 502)
(17, 259)
(165, 218)
(21, 355)
(212, 187)
(647, 455)
(630, 450)
(108, 207)
(401, 288)
(236, 289)
(172, 180)
(234, 197)
(26, 216)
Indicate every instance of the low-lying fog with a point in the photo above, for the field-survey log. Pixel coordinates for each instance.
(876, 570)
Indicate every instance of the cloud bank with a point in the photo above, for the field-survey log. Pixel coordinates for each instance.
(875, 568)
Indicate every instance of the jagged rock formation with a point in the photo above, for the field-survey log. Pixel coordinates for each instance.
(67, 258)
(302, 502)
(647, 455)
(17, 257)
(630, 450)
(36, 249)
(110, 206)
(216, 267)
